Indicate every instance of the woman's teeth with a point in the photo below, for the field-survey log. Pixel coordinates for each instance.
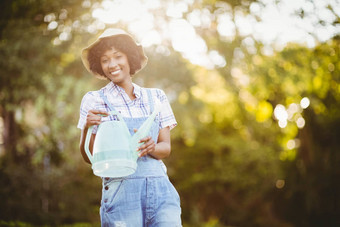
(115, 72)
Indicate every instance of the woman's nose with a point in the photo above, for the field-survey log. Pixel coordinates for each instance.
(112, 63)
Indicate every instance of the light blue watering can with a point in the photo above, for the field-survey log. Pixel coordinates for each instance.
(114, 149)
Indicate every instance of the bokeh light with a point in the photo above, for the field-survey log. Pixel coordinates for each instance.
(281, 114)
(304, 103)
(280, 184)
(300, 122)
(291, 144)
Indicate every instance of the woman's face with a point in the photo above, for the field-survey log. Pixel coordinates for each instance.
(115, 66)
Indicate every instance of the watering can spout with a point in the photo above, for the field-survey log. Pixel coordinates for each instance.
(143, 131)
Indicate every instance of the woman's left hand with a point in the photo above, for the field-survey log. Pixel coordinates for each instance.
(158, 150)
(148, 147)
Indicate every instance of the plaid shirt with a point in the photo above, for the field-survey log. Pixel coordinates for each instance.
(139, 107)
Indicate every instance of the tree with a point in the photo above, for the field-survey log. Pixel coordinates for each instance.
(39, 84)
(309, 197)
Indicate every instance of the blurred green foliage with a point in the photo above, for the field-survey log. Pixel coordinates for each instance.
(231, 162)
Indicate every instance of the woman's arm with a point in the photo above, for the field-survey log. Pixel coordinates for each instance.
(160, 150)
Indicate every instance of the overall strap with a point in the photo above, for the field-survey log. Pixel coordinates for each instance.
(111, 108)
(113, 111)
(150, 100)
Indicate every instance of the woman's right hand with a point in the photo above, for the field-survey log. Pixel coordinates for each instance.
(94, 117)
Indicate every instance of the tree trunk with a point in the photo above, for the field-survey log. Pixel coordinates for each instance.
(9, 134)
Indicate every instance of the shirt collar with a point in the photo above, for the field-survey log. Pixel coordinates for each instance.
(137, 90)
(116, 90)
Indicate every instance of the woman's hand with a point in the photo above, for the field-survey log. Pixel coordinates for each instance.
(158, 151)
(148, 147)
(94, 117)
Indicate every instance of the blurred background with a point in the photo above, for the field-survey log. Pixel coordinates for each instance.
(254, 85)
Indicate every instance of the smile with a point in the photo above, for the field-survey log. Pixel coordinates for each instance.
(116, 72)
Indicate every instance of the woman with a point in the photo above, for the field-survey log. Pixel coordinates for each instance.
(145, 198)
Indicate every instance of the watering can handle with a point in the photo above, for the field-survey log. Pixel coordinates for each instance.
(87, 143)
(89, 133)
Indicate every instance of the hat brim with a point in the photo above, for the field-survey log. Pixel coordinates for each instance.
(112, 33)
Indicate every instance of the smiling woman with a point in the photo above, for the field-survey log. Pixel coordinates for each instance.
(115, 66)
(123, 45)
(144, 197)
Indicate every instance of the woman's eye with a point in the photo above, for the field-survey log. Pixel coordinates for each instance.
(104, 61)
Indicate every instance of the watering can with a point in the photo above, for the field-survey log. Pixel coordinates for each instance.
(114, 148)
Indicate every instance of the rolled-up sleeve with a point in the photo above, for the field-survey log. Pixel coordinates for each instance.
(86, 105)
(166, 115)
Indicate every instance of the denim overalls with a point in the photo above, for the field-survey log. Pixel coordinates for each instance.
(145, 198)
